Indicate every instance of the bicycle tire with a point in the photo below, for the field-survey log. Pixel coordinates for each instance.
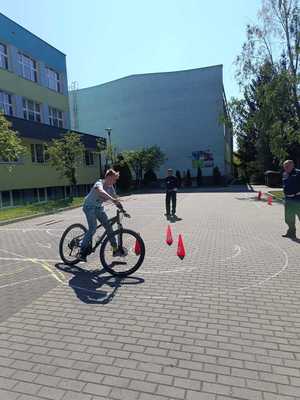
(134, 268)
(61, 243)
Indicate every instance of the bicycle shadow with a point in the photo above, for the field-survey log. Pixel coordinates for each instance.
(88, 285)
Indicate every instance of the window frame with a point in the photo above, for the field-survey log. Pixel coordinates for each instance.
(54, 79)
(37, 115)
(89, 158)
(22, 58)
(36, 156)
(8, 108)
(54, 116)
(3, 56)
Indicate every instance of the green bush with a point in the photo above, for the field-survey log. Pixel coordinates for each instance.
(149, 177)
(216, 176)
(125, 181)
(199, 176)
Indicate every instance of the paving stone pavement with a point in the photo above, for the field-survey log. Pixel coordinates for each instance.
(223, 323)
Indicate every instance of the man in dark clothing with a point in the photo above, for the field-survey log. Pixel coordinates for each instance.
(171, 189)
(291, 188)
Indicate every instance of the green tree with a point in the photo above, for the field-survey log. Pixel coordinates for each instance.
(66, 155)
(266, 120)
(125, 180)
(144, 159)
(11, 147)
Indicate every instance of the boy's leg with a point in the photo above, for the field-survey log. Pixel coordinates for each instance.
(92, 225)
(168, 199)
(173, 202)
(102, 217)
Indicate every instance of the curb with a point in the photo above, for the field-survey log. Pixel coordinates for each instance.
(54, 211)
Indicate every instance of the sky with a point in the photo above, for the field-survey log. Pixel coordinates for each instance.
(109, 39)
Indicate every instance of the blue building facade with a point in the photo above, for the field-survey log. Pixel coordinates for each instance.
(178, 111)
(33, 77)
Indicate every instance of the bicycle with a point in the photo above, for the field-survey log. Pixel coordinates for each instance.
(130, 245)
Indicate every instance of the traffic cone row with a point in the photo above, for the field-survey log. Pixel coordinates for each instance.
(180, 245)
(269, 199)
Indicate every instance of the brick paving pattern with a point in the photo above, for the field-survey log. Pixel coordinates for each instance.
(223, 323)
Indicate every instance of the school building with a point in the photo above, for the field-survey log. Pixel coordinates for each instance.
(34, 98)
(180, 111)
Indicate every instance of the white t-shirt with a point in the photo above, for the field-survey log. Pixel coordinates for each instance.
(93, 199)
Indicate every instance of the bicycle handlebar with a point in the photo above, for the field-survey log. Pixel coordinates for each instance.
(121, 210)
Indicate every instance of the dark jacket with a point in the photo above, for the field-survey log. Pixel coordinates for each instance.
(171, 183)
(291, 184)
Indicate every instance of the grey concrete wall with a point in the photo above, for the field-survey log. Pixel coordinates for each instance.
(178, 111)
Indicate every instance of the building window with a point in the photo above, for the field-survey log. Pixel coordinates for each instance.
(6, 103)
(3, 56)
(89, 158)
(42, 194)
(31, 110)
(6, 199)
(53, 81)
(28, 67)
(38, 153)
(56, 117)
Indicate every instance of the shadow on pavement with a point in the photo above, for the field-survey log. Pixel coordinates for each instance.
(87, 284)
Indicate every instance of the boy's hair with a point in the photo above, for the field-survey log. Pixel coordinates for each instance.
(287, 162)
(112, 172)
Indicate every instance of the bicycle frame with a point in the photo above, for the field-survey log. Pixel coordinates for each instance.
(112, 221)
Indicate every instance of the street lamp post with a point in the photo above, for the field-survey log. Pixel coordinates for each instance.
(108, 131)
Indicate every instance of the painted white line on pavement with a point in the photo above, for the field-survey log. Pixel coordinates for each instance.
(41, 263)
(30, 259)
(48, 231)
(47, 246)
(24, 230)
(25, 281)
(14, 272)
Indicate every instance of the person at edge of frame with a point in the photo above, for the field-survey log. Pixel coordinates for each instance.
(291, 189)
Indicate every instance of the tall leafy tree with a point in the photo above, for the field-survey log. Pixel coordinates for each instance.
(11, 146)
(66, 155)
(266, 119)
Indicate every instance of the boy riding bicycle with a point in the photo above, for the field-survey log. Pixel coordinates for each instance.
(102, 191)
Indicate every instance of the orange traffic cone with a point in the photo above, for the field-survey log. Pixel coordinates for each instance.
(259, 195)
(270, 199)
(180, 248)
(169, 238)
(137, 247)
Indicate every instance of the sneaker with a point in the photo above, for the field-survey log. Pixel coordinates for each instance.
(289, 235)
(82, 257)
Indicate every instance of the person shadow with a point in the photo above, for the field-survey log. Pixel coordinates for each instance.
(88, 285)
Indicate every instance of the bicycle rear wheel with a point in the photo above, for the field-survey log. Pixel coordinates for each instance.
(133, 253)
(69, 245)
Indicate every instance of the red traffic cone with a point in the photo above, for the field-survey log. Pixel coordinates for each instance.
(259, 195)
(180, 248)
(137, 247)
(169, 238)
(270, 199)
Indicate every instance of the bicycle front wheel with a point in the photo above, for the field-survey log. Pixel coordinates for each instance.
(69, 245)
(132, 249)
